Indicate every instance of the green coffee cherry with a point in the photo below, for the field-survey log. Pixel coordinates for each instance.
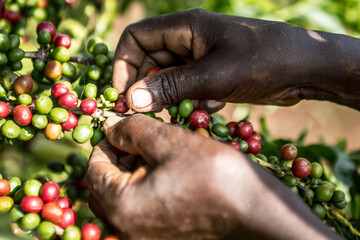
(32, 187)
(111, 94)
(185, 108)
(6, 203)
(340, 205)
(16, 54)
(46, 230)
(16, 214)
(30, 221)
(15, 185)
(43, 104)
(69, 69)
(26, 133)
(290, 180)
(39, 64)
(3, 58)
(10, 129)
(59, 115)
(82, 133)
(243, 145)
(101, 60)
(25, 99)
(61, 54)
(220, 130)
(71, 233)
(173, 111)
(338, 197)
(39, 121)
(90, 90)
(324, 193)
(308, 194)
(44, 37)
(14, 41)
(16, 66)
(99, 48)
(316, 170)
(97, 137)
(319, 210)
(94, 72)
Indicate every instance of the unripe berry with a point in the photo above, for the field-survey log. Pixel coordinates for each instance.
(46, 26)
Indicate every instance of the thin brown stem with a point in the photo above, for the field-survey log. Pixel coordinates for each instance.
(41, 54)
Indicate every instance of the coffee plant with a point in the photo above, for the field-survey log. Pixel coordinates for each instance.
(62, 96)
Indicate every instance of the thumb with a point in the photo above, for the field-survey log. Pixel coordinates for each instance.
(197, 80)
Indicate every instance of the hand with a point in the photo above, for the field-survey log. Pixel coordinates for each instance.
(207, 55)
(176, 184)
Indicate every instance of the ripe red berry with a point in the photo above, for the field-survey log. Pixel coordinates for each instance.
(32, 204)
(301, 167)
(63, 40)
(234, 144)
(52, 211)
(254, 146)
(232, 126)
(68, 101)
(23, 84)
(46, 26)
(4, 187)
(2, 8)
(59, 89)
(288, 152)
(90, 232)
(152, 71)
(49, 192)
(71, 123)
(22, 115)
(120, 104)
(88, 106)
(244, 129)
(68, 218)
(12, 16)
(199, 119)
(64, 202)
(4, 109)
(256, 136)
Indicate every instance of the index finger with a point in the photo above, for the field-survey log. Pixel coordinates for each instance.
(172, 32)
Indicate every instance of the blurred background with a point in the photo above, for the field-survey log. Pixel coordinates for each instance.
(83, 19)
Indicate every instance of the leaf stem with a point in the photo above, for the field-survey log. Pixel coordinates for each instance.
(42, 54)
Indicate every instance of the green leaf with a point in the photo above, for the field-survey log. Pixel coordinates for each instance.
(300, 140)
(344, 168)
(342, 144)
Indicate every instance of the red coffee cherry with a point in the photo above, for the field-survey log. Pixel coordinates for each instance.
(88, 106)
(254, 146)
(2, 8)
(22, 115)
(232, 126)
(49, 192)
(199, 119)
(301, 167)
(120, 105)
(4, 110)
(256, 136)
(68, 218)
(63, 40)
(23, 84)
(234, 144)
(68, 101)
(52, 211)
(59, 89)
(152, 71)
(244, 129)
(71, 123)
(4, 187)
(32, 204)
(46, 26)
(90, 232)
(64, 202)
(12, 16)
(288, 152)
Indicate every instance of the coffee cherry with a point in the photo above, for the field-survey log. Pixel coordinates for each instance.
(111, 237)
(32, 187)
(202, 131)
(254, 146)
(46, 26)
(88, 106)
(120, 105)
(23, 84)
(82, 133)
(6, 203)
(15, 184)
(101, 60)
(97, 137)
(59, 89)
(173, 111)
(61, 54)
(4, 42)
(52, 212)
(12, 16)
(319, 210)
(53, 131)
(288, 152)
(49, 192)
(99, 48)
(44, 37)
(26, 133)
(43, 104)
(290, 180)
(25, 99)
(220, 130)
(185, 108)
(30, 221)
(68, 101)
(32, 204)
(234, 144)
(232, 126)
(316, 170)
(63, 40)
(16, 214)
(243, 145)
(39, 121)
(94, 72)
(4, 187)
(338, 197)
(244, 129)
(324, 193)
(308, 194)
(152, 71)
(301, 168)
(4, 109)
(71, 233)
(46, 230)
(199, 119)
(71, 123)
(60, 115)
(14, 41)
(22, 115)
(111, 94)
(68, 218)
(68, 69)
(90, 232)
(64, 202)
(10, 129)
(90, 90)
(16, 66)
(53, 70)
(256, 136)
(16, 54)
(9, 79)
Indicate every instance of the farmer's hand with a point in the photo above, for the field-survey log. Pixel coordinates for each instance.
(177, 184)
(207, 55)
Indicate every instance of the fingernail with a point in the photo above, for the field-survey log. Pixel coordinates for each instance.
(111, 121)
(141, 98)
